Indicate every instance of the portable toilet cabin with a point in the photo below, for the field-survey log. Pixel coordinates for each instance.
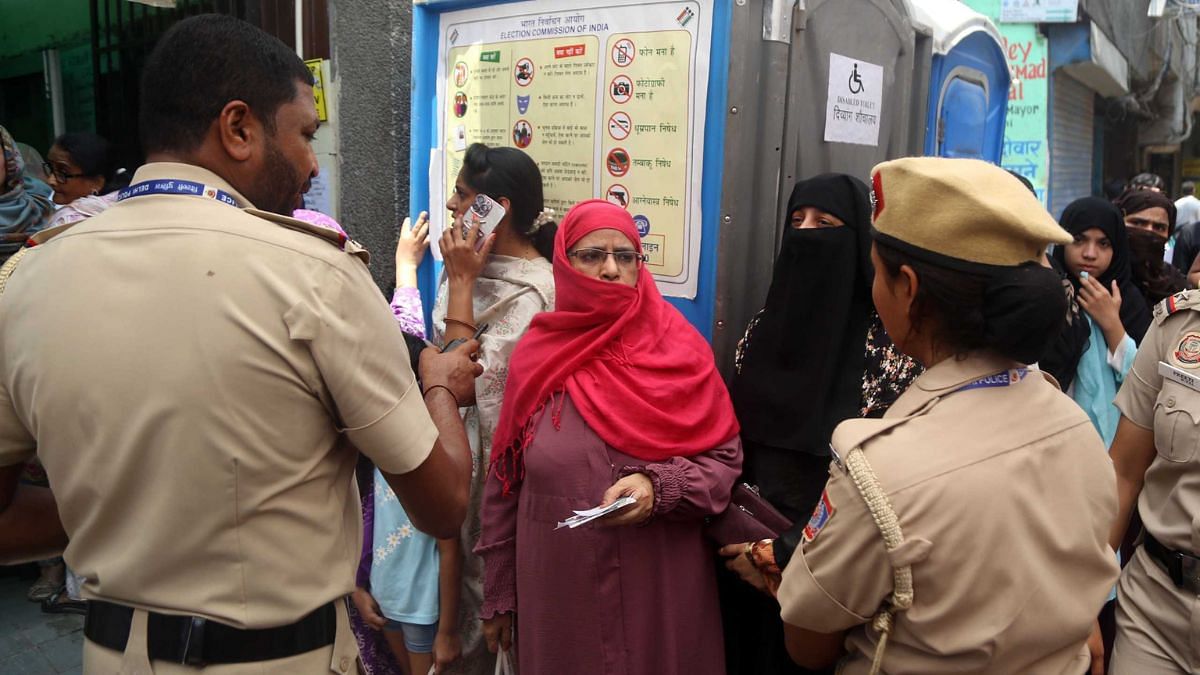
(968, 81)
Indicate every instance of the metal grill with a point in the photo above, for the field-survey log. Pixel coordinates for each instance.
(124, 33)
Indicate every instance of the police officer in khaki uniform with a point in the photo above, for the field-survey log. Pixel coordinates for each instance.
(966, 531)
(196, 374)
(1158, 468)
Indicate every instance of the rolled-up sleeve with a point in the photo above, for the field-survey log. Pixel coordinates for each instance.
(1143, 382)
(364, 364)
(840, 575)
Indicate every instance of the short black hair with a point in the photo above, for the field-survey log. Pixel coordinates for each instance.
(508, 172)
(201, 64)
(94, 156)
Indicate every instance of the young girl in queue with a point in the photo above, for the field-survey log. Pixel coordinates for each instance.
(1107, 316)
(966, 530)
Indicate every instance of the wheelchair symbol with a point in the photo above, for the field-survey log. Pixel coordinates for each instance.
(854, 80)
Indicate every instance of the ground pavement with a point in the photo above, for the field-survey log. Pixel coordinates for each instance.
(33, 643)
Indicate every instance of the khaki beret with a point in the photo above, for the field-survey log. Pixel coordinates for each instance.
(966, 210)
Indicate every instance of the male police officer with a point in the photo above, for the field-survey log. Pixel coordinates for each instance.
(195, 374)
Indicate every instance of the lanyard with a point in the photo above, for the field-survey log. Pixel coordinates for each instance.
(1004, 378)
(172, 186)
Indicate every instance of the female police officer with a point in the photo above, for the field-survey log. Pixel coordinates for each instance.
(966, 531)
(1154, 453)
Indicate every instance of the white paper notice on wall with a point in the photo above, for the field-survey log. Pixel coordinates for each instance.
(853, 111)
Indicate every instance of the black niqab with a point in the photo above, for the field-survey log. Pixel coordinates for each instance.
(1156, 278)
(802, 367)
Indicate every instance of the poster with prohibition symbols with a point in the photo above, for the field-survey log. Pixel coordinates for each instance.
(607, 96)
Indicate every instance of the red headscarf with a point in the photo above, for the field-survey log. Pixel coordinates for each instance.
(642, 377)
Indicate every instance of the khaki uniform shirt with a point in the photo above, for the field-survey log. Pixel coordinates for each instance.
(1004, 496)
(1170, 500)
(195, 378)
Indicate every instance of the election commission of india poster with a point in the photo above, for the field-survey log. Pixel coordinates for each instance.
(608, 99)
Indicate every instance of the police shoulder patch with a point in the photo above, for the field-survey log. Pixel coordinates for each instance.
(328, 234)
(1176, 303)
(820, 517)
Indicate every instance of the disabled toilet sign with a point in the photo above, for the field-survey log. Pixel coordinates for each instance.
(853, 108)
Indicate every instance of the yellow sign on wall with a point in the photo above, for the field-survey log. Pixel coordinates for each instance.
(314, 66)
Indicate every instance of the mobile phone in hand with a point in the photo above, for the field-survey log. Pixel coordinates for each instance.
(484, 212)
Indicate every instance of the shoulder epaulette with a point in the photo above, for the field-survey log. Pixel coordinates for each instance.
(49, 233)
(1176, 303)
(334, 237)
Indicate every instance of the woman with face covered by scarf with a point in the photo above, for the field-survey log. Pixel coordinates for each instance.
(25, 205)
(1150, 220)
(1106, 319)
(613, 394)
(815, 355)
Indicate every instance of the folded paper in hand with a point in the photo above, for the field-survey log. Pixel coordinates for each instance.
(582, 517)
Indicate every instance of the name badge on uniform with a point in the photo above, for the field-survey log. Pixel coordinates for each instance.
(1179, 376)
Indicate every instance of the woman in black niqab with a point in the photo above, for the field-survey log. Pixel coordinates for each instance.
(816, 354)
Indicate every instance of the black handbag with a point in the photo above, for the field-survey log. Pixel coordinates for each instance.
(748, 517)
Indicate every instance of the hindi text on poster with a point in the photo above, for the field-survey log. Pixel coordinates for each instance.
(609, 101)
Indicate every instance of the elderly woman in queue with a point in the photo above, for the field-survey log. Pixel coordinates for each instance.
(816, 354)
(966, 530)
(611, 395)
(84, 172)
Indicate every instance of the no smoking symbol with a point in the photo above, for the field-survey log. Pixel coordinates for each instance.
(619, 126)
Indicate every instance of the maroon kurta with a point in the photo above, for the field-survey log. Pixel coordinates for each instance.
(629, 600)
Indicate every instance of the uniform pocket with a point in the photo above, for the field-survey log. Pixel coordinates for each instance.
(1177, 422)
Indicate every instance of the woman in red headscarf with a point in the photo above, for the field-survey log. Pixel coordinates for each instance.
(612, 394)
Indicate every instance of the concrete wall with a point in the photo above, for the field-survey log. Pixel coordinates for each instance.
(372, 46)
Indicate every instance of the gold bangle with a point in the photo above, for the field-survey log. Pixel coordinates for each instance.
(465, 324)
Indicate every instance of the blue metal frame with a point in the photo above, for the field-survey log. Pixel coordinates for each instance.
(699, 311)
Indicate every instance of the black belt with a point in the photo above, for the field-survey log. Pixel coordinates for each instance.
(1183, 568)
(195, 641)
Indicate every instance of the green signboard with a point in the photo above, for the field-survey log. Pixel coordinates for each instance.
(1026, 141)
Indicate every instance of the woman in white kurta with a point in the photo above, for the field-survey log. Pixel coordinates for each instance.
(501, 280)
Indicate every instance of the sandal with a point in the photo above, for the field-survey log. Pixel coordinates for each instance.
(61, 603)
(42, 589)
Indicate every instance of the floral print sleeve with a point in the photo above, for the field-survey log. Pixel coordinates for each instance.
(406, 306)
(887, 373)
(740, 354)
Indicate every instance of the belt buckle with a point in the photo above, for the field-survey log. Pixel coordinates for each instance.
(193, 642)
(1189, 572)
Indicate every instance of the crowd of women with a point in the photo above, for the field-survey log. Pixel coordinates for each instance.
(596, 390)
(583, 402)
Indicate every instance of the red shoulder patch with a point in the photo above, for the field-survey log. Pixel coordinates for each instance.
(820, 517)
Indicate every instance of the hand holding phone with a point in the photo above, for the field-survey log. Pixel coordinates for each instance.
(486, 213)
